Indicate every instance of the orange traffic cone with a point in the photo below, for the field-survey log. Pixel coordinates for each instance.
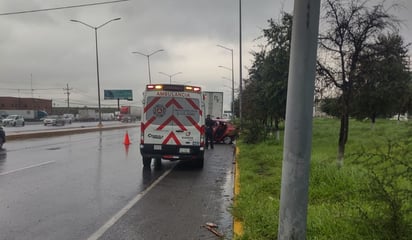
(126, 139)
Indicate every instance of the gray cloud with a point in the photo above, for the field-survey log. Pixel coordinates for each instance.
(45, 50)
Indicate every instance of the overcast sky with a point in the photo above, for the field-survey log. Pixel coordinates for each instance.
(44, 51)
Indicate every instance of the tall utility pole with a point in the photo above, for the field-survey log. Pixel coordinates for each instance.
(170, 75)
(148, 61)
(31, 85)
(97, 61)
(298, 126)
(240, 63)
(233, 88)
(233, 80)
(67, 89)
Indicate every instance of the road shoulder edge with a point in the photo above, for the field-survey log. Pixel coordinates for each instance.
(61, 132)
(237, 224)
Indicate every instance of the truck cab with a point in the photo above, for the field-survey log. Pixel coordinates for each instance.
(172, 126)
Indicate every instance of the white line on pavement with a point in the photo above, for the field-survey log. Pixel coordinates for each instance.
(25, 168)
(125, 209)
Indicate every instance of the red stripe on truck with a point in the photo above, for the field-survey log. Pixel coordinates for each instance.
(149, 105)
(145, 125)
(171, 136)
(175, 120)
(194, 123)
(193, 104)
(173, 101)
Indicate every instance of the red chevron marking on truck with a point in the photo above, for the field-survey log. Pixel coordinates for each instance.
(175, 120)
(173, 101)
(148, 122)
(197, 126)
(193, 104)
(171, 136)
(150, 105)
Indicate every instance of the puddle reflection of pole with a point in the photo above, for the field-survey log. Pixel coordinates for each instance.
(98, 178)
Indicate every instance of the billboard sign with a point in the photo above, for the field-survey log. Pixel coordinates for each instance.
(118, 94)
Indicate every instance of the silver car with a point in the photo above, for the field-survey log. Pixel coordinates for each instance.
(13, 120)
(54, 120)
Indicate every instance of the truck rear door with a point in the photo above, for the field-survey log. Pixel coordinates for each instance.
(173, 120)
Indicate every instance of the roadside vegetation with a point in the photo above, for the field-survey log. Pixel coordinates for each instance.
(361, 163)
(368, 198)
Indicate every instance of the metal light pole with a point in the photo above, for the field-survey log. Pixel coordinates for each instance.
(148, 60)
(97, 61)
(294, 192)
(240, 63)
(233, 88)
(170, 76)
(233, 80)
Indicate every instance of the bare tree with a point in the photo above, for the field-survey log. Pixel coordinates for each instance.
(350, 27)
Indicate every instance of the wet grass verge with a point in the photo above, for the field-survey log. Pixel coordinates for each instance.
(368, 198)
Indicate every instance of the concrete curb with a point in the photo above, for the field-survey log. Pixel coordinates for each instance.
(237, 224)
(61, 132)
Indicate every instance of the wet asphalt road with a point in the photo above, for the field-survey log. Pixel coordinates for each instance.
(92, 186)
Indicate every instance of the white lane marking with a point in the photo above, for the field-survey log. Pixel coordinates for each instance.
(25, 168)
(125, 209)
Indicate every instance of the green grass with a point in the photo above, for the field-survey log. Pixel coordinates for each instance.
(344, 203)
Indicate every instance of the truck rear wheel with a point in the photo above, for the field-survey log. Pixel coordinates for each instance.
(147, 161)
(199, 162)
(158, 163)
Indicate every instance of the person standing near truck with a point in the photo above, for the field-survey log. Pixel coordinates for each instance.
(209, 123)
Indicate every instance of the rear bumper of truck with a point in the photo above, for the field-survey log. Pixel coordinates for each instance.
(172, 152)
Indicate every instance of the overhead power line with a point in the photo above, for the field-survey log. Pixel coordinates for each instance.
(60, 8)
(29, 89)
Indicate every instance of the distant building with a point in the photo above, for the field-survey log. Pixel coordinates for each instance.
(16, 103)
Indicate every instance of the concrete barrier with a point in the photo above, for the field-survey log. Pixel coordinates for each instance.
(61, 132)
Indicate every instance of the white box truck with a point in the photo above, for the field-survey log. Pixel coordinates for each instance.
(213, 104)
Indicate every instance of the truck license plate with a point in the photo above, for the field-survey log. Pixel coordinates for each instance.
(157, 147)
(184, 150)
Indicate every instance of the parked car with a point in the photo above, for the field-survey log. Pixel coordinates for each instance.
(13, 120)
(69, 118)
(2, 137)
(54, 120)
(224, 131)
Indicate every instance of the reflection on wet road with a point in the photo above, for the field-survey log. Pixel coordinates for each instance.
(67, 187)
(92, 186)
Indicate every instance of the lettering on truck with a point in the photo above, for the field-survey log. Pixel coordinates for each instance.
(173, 94)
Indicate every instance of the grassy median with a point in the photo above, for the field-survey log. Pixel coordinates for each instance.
(370, 197)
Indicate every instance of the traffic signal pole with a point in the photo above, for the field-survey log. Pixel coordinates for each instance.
(298, 126)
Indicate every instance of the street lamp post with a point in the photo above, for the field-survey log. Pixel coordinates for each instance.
(97, 60)
(170, 76)
(240, 65)
(233, 90)
(233, 79)
(148, 60)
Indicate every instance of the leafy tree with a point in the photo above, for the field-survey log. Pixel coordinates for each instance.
(383, 80)
(265, 93)
(330, 106)
(350, 27)
(405, 100)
